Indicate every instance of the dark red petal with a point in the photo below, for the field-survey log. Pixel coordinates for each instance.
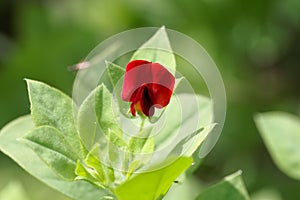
(141, 101)
(137, 73)
(147, 85)
(138, 94)
(146, 102)
(161, 95)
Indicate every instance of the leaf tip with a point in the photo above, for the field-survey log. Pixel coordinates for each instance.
(256, 115)
(239, 172)
(107, 62)
(28, 81)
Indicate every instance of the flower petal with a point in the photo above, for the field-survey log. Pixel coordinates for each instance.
(138, 73)
(135, 63)
(146, 102)
(161, 95)
(147, 85)
(163, 85)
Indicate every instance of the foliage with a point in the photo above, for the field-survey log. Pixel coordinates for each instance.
(255, 44)
(13, 190)
(232, 187)
(281, 134)
(72, 162)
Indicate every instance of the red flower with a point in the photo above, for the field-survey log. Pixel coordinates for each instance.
(147, 85)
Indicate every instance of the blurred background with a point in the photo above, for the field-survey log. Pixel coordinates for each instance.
(255, 44)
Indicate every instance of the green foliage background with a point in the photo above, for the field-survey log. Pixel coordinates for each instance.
(256, 45)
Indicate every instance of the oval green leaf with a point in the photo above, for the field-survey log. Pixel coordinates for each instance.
(281, 134)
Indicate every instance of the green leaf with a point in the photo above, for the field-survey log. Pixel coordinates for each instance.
(29, 161)
(142, 143)
(50, 106)
(107, 116)
(94, 171)
(281, 134)
(231, 187)
(93, 162)
(187, 188)
(87, 123)
(84, 173)
(193, 142)
(266, 194)
(140, 149)
(115, 154)
(148, 147)
(153, 184)
(13, 191)
(194, 116)
(157, 49)
(49, 144)
(115, 73)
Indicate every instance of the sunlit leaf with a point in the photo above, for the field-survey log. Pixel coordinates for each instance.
(153, 184)
(157, 49)
(107, 115)
(281, 134)
(186, 188)
(115, 154)
(13, 191)
(50, 106)
(84, 173)
(93, 162)
(115, 72)
(87, 123)
(231, 187)
(22, 154)
(266, 194)
(49, 144)
(140, 149)
(193, 142)
(141, 143)
(182, 132)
